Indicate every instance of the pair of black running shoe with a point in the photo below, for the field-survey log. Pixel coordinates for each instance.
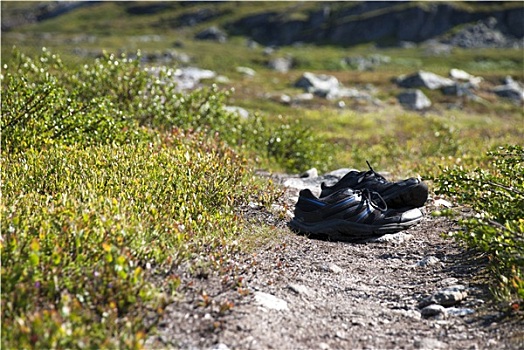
(360, 205)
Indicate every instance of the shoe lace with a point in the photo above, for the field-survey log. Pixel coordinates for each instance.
(372, 172)
(374, 199)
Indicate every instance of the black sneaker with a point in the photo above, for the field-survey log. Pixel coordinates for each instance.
(347, 213)
(411, 193)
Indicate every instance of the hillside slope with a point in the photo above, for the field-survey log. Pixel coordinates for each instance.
(273, 23)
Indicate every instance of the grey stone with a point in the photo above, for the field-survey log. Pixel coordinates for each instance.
(317, 83)
(285, 99)
(424, 79)
(281, 64)
(512, 91)
(453, 311)
(366, 63)
(393, 238)
(433, 310)
(343, 92)
(195, 73)
(435, 48)
(186, 78)
(212, 33)
(302, 183)
(459, 90)
(300, 289)
(448, 296)
(414, 99)
(427, 261)
(323, 346)
(482, 34)
(303, 97)
(334, 268)
(448, 282)
(252, 44)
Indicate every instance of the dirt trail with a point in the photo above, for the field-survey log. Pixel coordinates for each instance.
(307, 293)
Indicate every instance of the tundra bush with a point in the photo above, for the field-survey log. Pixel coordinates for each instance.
(496, 195)
(114, 99)
(94, 201)
(80, 226)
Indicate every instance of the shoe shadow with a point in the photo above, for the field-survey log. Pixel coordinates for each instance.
(334, 237)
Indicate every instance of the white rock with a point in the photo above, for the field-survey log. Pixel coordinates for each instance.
(220, 346)
(313, 172)
(241, 112)
(250, 72)
(334, 268)
(271, 302)
(442, 203)
(430, 343)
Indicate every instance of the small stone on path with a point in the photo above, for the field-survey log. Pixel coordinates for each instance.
(430, 343)
(300, 289)
(433, 310)
(271, 302)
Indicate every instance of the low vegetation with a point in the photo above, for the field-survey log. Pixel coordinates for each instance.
(495, 194)
(98, 193)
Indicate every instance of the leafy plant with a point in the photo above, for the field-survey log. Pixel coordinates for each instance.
(496, 194)
(115, 100)
(95, 200)
(82, 227)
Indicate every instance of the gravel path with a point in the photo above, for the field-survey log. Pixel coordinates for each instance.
(297, 292)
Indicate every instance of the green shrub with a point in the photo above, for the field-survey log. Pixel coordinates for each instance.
(114, 99)
(496, 194)
(96, 198)
(81, 226)
(40, 106)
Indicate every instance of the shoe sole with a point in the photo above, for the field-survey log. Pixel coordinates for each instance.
(414, 196)
(338, 228)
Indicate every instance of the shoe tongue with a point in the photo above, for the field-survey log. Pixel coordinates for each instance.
(377, 176)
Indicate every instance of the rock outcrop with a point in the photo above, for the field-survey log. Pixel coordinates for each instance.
(385, 22)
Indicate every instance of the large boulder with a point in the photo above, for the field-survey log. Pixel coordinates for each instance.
(511, 90)
(414, 99)
(423, 79)
(462, 76)
(320, 84)
(212, 33)
(483, 34)
(188, 78)
(281, 64)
